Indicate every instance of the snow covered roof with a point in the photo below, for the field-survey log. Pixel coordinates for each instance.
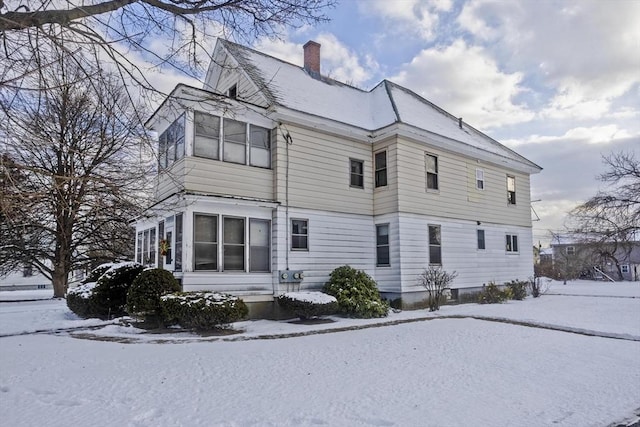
(291, 86)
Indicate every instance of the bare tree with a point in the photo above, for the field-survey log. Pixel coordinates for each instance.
(75, 171)
(130, 33)
(609, 222)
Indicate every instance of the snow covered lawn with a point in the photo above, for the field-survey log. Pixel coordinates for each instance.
(438, 372)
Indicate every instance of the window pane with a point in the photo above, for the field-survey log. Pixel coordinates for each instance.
(234, 230)
(481, 239)
(299, 242)
(205, 147)
(235, 131)
(233, 258)
(299, 226)
(259, 245)
(207, 125)
(259, 259)
(206, 228)
(357, 173)
(381, 160)
(382, 234)
(435, 256)
(381, 178)
(515, 243)
(382, 254)
(432, 181)
(260, 137)
(434, 235)
(178, 245)
(259, 232)
(234, 153)
(431, 163)
(206, 256)
(511, 183)
(260, 157)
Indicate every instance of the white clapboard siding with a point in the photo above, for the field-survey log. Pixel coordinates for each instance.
(459, 251)
(231, 74)
(385, 199)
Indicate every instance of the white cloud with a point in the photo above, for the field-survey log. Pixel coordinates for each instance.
(605, 134)
(467, 82)
(418, 17)
(337, 60)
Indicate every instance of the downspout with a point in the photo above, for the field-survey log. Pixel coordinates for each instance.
(288, 141)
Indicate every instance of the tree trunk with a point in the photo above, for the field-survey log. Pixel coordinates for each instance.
(60, 279)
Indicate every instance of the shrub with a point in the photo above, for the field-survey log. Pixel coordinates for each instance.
(143, 298)
(436, 281)
(306, 305)
(105, 298)
(202, 310)
(518, 289)
(356, 292)
(95, 274)
(491, 294)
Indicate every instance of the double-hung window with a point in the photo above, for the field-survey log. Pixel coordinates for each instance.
(435, 245)
(480, 179)
(512, 243)
(205, 242)
(171, 144)
(207, 135)
(300, 234)
(260, 146)
(380, 161)
(235, 141)
(431, 166)
(382, 245)
(481, 241)
(233, 244)
(511, 190)
(356, 173)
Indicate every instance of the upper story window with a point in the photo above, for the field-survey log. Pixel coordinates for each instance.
(171, 144)
(240, 142)
(356, 173)
(431, 166)
(512, 243)
(206, 142)
(479, 179)
(511, 190)
(381, 169)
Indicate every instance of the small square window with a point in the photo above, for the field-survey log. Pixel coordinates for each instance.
(356, 173)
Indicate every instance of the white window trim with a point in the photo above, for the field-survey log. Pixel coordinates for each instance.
(510, 235)
(480, 178)
(291, 248)
(351, 159)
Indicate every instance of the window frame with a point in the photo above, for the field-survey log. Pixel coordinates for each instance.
(437, 244)
(570, 250)
(480, 179)
(215, 243)
(169, 142)
(243, 244)
(268, 246)
(299, 249)
(479, 240)
(511, 194)
(380, 172)
(383, 246)
(252, 147)
(512, 244)
(232, 92)
(228, 140)
(625, 268)
(432, 185)
(360, 175)
(196, 135)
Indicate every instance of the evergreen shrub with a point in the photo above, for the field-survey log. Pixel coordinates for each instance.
(202, 310)
(307, 305)
(356, 292)
(492, 294)
(518, 289)
(143, 298)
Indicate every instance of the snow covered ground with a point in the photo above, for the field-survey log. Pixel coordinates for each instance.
(457, 367)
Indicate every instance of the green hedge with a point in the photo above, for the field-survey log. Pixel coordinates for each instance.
(356, 292)
(492, 294)
(518, 289)
(143, 298)
(202, 310)
(307, 305)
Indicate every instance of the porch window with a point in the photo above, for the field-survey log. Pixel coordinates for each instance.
(512, 243)
(146, 250)
(431, 166)
(260, 146)
(435, 245)
(481, 242)
(233, 244)
(300, 234)
(235, 141)
(171, 144)
(511, 190)
(205, 242)
(479, 179)
(383, 258)
(206, 141)
(259, 231)
(380, 161)
(178, 244)
(356, 171)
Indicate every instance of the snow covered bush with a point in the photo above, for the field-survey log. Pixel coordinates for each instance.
(107, 296)
(306, 305)
(95, 274)
(518, 289)
(492, 294)
(202, 310)
(356, 292)
(143, 298)
(436, 281)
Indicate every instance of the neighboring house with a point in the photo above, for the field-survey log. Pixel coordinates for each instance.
(594, 259)
(272, 170)
(26, 278)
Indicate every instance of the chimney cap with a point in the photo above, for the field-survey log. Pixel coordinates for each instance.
(311, 42)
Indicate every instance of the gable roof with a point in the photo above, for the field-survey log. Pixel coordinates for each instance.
(291, 86)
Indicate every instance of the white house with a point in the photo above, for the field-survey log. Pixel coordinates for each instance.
(272, 175)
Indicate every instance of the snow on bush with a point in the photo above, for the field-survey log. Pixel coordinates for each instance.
(306, 305)
(143, 299)
(356, 292)
(202, 310)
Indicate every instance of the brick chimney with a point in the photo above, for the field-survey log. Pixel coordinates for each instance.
(312, 57)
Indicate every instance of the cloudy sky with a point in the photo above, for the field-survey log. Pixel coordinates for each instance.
(558, 81)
